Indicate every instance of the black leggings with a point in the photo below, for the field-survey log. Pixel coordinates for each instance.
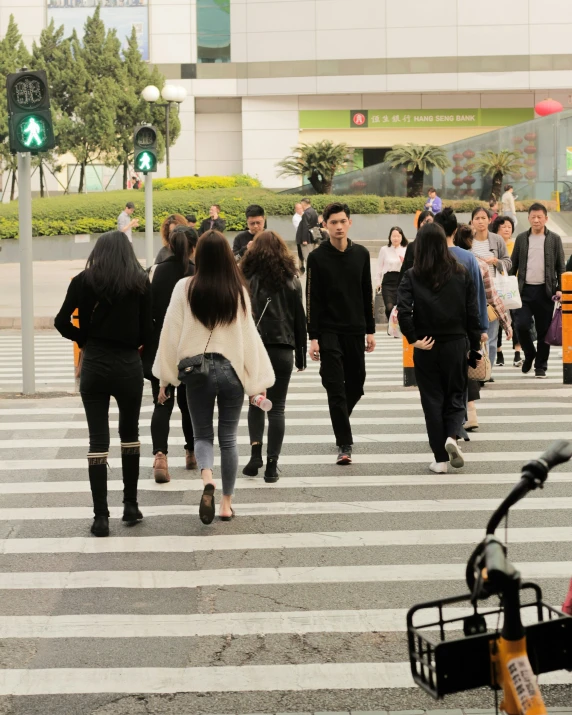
(389, 287)
(162, 417)
(282, 359)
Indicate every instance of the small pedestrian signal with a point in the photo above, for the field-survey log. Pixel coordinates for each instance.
(29, 116)
(145, 148)
(32, 132)
(145, 162)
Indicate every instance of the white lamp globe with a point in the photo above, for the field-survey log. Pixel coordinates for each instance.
(151, 93)
(170, 93)
(182, 94)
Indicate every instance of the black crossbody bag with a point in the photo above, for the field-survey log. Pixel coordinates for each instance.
(196, 366)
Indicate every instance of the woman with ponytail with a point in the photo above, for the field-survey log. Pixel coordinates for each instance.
(179, 264)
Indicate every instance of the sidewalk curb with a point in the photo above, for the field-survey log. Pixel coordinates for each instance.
(40, 323)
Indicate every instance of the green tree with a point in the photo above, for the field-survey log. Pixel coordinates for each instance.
(418, 160)
(317, 162)
(496, 165)
(132, 109)
(13, 56)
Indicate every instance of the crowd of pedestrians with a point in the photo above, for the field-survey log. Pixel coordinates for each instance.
(208, 323)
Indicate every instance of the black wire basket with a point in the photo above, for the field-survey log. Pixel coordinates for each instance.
(453, 654)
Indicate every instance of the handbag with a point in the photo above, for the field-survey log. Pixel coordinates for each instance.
(483, 371)
(507, 288)
(554, 332)
(316, 234)
(196, 366)
(393, 329)
(492, 313)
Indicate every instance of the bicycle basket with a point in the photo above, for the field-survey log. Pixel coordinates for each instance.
(450, 651)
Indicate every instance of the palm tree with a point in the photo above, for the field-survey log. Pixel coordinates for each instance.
(418, 160)
(497, 164)
(317, 162)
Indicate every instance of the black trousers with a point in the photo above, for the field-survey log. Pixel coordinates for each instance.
(282, 359)
(161, 418)
(538, 306)
(108, 372)
(300, 254)
(389, 287)
(342, 369)
(442, 379)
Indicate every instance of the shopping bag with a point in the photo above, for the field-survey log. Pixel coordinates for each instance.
(393, 329)
(554, 333)
(507, 288)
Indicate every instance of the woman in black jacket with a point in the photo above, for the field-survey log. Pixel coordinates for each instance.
(113, 297)
(279, 312)
(179, 264)
(438, 314)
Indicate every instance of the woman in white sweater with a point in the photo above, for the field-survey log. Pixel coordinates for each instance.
(389, 264)
(209, 341)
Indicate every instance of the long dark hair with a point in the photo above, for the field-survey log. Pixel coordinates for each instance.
(270, 259)
(464, 237)
(404, 241)
(217, 288)
(182, 241)
(433, 264)
(422, 216)
(112, 269)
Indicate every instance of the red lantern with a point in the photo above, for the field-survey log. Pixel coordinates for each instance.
(517, 140)
(530, 137)
(457, 182)
(547, 107)
(516, 176)
(457, 170)
(469, 154)
(530, 162)
(457, 157)
(469, 167)
(469, 180)
(530, 149)
(470, 192)
(530, 175)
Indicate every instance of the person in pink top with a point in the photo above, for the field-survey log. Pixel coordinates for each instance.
(389, 264)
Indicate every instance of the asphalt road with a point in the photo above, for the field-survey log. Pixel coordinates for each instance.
(299, 604)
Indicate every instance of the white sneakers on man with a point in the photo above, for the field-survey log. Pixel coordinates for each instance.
(454, 452)
(438, 467)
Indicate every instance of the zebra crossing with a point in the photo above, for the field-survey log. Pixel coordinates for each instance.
(299, 604)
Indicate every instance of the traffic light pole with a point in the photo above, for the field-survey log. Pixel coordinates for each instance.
(149, 220)
(26, 272)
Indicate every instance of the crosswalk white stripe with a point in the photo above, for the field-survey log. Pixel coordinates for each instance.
(105, 625)
(257, 542)
(420, 506)
(314, 482)
(244, 678)
(42, 463)
(386, 573)
(69, 442)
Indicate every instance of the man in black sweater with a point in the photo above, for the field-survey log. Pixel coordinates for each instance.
(304, 236)
(214, 222)
(256, 222)
(341, 322)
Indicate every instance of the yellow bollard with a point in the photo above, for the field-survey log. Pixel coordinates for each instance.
(567, 327)
(408, 365)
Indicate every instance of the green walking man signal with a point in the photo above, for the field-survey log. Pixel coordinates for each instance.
(30, 124)
(145, 146)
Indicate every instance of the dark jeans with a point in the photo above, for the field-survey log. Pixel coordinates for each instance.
(162, 418)
(224, 387)
(442, 379)
(538, 306)
(282, 359)
(342, 369)
(515, 340)
(389, 287)
(111, 372)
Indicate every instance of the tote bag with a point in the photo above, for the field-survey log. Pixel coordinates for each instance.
(483, 371)
(554, 333)
(507, 288)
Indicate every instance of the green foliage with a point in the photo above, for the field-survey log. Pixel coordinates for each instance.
(398, 205)
(490, 162)
(191, 183)
(418, 157)
(317, 162)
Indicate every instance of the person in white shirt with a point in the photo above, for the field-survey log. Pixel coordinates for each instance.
(388, 267)
(125, 222)
(299, 210)
(507, 203)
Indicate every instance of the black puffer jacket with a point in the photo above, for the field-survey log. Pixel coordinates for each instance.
(284, 321)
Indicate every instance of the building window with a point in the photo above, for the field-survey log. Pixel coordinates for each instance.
(213, 31)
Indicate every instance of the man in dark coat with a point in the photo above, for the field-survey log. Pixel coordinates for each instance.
(304, 238)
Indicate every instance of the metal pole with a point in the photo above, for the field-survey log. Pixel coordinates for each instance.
(167, 111)
(556, 138)
(148, 220)
(26, 273)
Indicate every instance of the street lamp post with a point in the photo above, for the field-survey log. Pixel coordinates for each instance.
(170, 93)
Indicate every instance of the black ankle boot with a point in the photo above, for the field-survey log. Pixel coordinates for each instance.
(130, 457)
(271, 471)
(100, 526)
(97, 470)
(256, 463)
(131, 513)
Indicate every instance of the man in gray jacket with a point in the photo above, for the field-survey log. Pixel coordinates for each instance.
(538, 261)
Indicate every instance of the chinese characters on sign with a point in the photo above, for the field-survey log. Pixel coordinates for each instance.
(423, 118)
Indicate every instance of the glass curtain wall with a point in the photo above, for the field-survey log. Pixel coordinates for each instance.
(213, 31)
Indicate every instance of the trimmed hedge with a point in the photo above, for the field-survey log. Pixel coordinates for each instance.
(192, 183)
(97, 213)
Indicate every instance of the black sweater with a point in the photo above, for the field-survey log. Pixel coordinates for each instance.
(339, 294)
(448, 314)
(241, 241)
(124, 323)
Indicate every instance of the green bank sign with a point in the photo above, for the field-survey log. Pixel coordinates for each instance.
(411, 118)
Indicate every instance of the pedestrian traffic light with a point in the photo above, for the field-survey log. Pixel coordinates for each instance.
(30, 125)
(145, 140)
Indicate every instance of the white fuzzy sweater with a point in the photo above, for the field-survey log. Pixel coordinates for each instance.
(183, 336)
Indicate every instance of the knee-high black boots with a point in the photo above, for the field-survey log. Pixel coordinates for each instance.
(97, 469)
(130, 456)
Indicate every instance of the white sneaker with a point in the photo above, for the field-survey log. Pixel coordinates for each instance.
(454, 452)
(438, 467)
